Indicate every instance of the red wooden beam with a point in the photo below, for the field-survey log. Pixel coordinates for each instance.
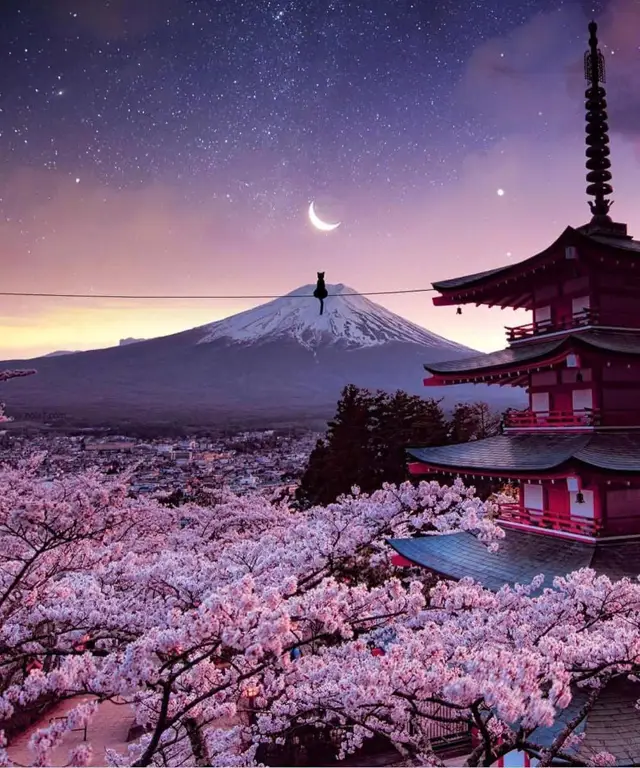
(418, 468)
(401, 562)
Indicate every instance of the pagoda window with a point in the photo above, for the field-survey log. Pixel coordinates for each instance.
(533, 497)
(582, 399)
(542, 314)
(579, 305)
(540, 403)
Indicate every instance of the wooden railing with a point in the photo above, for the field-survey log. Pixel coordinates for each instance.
(578, 320)
(585, 317)
(556, 521)
(551, 419)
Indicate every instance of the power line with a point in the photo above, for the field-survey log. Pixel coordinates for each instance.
(131, 296)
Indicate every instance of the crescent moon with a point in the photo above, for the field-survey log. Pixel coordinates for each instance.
(317, 222)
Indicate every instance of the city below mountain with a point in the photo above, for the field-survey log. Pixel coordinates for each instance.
(278, 363)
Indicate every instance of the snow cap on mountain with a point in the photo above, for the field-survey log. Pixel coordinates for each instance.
(349, 319)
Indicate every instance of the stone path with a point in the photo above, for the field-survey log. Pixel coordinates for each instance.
(108, 729)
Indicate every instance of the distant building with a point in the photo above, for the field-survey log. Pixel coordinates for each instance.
(110, 446)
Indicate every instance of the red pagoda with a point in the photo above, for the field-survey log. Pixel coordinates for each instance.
(575, 451)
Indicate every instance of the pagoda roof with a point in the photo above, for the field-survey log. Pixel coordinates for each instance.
(612, 725)
(614, 722)
(599, 243)
(502, 358)
(539, 452)
(522, 556)
(616, 342)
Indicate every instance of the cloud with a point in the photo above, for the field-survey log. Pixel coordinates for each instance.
(619, 41)
(511, 82)
(537, 71)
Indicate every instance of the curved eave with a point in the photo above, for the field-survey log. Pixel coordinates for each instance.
(422, 469)
(492, 286)
(470, 288)
(514, 374)
(513, 364)
(532, 455)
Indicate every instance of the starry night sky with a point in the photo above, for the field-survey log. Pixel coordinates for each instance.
(174, 146)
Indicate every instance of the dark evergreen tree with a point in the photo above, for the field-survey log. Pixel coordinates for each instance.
(473, 421)
(366, 442)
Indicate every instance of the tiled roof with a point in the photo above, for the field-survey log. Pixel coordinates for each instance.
(521, 557)
(616, 451)
(569, 235)
(612, 341)
(610, 450)
(504, 357)
(614, 723)
(617, 242)
(467, 280)
(508, 452)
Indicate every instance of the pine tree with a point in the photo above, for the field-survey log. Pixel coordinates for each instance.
(473, 421)
(366, 442)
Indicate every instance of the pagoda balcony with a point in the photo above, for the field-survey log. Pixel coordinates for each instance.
(562, 522)
(527, 419)
(585, 318)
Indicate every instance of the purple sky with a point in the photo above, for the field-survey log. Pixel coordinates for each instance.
(417, 191)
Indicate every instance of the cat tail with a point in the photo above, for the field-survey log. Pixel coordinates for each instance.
(321, 306)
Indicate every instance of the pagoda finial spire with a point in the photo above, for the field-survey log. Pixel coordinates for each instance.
(598, 163)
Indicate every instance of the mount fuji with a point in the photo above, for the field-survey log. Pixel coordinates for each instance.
(278, 363)
(349, 320)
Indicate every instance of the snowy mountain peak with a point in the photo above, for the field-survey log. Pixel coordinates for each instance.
(349, 320)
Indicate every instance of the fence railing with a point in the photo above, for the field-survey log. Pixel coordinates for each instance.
(528, 419)
(577, 320)
(538, 327)
(551, 520)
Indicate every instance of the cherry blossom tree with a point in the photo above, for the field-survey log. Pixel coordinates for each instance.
(237, 625)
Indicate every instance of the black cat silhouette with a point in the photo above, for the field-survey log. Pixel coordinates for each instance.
(321, 291)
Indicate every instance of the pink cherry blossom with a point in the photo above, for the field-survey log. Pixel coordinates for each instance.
(229, 625)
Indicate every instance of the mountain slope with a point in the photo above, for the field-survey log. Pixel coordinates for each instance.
(268, 366)
(348, 319)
